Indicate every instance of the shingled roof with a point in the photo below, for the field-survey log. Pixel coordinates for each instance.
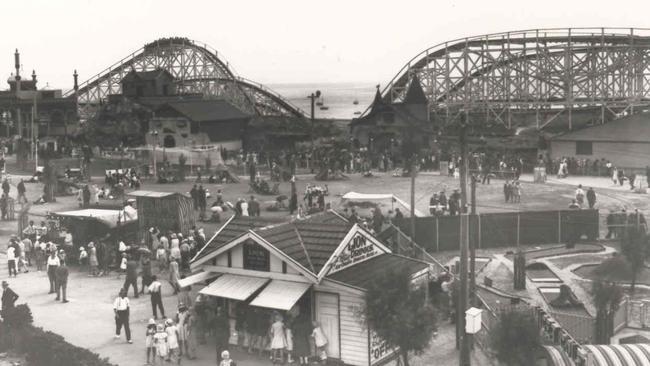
(361, 274)
(310, 241)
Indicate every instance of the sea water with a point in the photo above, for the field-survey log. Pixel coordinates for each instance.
(338, 97)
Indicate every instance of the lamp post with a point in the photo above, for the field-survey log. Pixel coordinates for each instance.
(154, 135)
(313, 98)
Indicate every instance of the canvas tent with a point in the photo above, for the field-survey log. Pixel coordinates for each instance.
(389, 199)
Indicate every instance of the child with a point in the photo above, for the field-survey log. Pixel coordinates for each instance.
(278, 341)
(92, 259)
(172, 341)
(83, 257)
(225, 359)
(151, 350)
(320, 341)
(160, 341)
(288, 336)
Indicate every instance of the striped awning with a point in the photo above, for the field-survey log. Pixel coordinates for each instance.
(557, 357)
(604, 355)
(620, 354)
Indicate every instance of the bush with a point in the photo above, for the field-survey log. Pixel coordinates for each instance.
(42, 348)
(616, 268)
(515, 338)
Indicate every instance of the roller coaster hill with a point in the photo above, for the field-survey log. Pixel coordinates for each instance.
(196, 72)
(547, 81)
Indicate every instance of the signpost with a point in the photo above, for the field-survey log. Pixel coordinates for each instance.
(357, 250)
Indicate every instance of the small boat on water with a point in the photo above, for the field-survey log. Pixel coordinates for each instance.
(324, 108)
(319, 103)
(355, 102)
(357, 113)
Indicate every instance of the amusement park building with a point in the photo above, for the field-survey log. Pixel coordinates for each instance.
(624, 142)
(27, 111)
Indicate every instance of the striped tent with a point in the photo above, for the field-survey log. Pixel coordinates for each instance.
(604, 355)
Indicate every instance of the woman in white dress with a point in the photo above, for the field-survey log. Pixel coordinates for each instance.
(278, 339)
(615, 176)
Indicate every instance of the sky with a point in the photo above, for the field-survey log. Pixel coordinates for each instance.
(281, 41)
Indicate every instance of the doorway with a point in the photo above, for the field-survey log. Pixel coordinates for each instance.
(327, 314)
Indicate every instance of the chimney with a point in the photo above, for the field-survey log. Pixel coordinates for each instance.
(76, 84)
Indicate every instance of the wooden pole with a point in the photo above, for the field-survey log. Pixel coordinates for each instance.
(464, 359)
(413, 199)
(472, 246)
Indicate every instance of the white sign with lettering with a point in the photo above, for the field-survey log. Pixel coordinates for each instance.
(356, 250)
(379, 349)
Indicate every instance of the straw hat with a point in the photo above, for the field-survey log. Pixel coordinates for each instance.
(151, 321)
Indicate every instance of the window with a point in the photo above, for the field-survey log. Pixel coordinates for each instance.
(584, 148)
(256, 258)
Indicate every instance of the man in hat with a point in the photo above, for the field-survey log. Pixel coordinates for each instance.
(9, 298)
(61, 275)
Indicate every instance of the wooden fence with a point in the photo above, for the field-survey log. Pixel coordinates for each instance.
(491, 230)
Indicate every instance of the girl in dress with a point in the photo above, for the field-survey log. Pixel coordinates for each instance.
(161, 257)
(174, 275)
(320, 341)
(160, 341)
(172, 341)
(278, 340)
(148, 341)
(288, 336)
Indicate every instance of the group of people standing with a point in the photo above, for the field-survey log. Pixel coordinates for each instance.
(440, 205)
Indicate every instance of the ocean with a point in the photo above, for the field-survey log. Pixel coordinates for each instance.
(338, 97)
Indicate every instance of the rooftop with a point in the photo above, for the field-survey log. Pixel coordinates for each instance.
(204, 110)
(635, 128)
(361, 274)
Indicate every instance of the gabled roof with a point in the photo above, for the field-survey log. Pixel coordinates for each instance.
(147, 75)
(635, 128)
(310, 242)
(205, 110)
(232, 229)
(415, 93)
(361, 275)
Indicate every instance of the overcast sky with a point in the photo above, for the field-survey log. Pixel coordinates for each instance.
(292, 41)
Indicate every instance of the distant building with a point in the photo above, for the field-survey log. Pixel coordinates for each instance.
(25, 109)
(199, 122)
(624, 142)
(177, 119)
(389, 124)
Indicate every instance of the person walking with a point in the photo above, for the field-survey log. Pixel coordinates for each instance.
(591, 197)
(580, 195)
(121, 308)
(53, 262)
(131, 276)
(149, 341)
(61, 274)
(145, 264)
(9, 298)
(253, 207)
(155, 292)
(172, 341)
(190, 332)
(6, 187)
(174, 275)
(21, 191)
(181, 318)
(11, 260)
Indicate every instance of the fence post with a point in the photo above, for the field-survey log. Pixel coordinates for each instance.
(437, 235)
(559, 226)
(518, 226)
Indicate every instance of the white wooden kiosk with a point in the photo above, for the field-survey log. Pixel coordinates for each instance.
(321, 260)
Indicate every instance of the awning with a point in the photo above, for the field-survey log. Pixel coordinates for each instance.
(196, 278)
(234, 287)
(281, 295)
(355, 196)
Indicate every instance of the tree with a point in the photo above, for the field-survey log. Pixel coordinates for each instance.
(633, 246)
(398, 313)
(515, 338)
(50, 179)
(607, 298)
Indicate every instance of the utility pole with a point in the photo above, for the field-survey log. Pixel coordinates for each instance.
(472, 244)
(413, 197)
(464, 359)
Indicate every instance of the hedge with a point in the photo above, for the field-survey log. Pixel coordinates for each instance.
(40, 347)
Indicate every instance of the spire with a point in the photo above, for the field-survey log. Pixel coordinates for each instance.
(415, 94)
(76, 84)
(34, 77)
(17, 62)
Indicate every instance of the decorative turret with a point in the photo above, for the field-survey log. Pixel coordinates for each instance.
(34, 77)
(17, 64)
(76, 78)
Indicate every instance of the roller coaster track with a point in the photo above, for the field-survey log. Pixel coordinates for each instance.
(545, 73)
(197, 69)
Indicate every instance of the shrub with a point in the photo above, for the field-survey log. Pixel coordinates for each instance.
(515, 338)
(42, 348)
